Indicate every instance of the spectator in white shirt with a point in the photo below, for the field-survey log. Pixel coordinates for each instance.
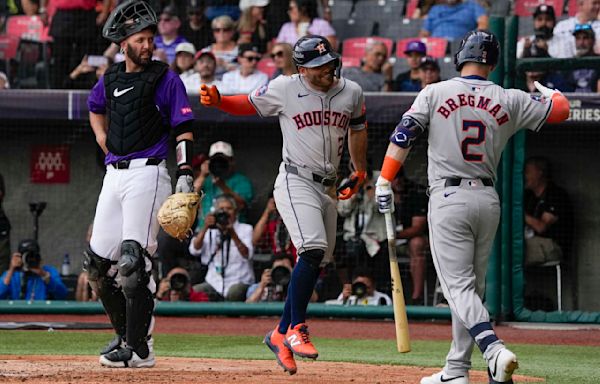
(544, 21)
(362, 291)
(587, 12)
(204, 73)
(246, 78)
(225, 246)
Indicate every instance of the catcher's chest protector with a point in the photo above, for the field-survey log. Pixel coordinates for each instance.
(134, 122)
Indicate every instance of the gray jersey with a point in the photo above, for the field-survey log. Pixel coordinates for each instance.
(314, 124)
(470, 122)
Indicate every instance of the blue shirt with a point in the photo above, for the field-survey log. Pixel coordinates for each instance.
(36, 288)
(453, 21)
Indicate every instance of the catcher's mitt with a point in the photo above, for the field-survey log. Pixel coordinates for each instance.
(177, 214)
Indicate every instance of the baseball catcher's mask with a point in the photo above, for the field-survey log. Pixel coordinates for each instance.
(129, 18)
(177, 214)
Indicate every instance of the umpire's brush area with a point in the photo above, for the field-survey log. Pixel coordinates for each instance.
(558, 364)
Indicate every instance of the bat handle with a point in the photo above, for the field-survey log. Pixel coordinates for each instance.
(390, 228)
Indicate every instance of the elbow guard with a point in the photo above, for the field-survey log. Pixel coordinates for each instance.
(406, 132)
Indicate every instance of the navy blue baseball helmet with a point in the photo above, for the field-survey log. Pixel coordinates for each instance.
(479, 47)
(313, 51)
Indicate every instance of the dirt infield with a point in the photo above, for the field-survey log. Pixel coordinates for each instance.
(70, 369)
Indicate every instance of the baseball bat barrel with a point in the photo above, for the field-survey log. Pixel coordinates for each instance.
(400, 319)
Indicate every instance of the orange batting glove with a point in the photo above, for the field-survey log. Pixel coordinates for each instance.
(350, 186)
(209, 97)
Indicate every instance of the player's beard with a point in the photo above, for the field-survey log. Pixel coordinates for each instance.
(137, 57)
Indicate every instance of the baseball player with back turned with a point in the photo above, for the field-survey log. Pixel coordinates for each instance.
(133, 108)
(315, 109)
(470, 120)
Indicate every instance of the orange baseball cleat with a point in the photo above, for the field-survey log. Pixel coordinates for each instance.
(275, 341)
(297, 340)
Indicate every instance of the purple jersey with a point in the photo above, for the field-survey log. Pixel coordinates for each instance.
(170, 48)
(172, 102)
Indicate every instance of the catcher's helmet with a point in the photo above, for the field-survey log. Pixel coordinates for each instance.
(129, 18)
(313, 51)
(479, 47)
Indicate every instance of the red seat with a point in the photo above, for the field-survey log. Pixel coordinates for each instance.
(526, 7)
(573, 8)
(27, 27)
(355, 47)
(411, 7)
(267, 65)
(8, 47)
(349, 61)
(436, 46)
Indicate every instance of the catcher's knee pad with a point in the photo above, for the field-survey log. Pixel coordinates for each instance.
(106, 288)
(139, 299)
(313, 257)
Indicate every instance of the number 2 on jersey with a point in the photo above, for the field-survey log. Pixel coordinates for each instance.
(472, 140)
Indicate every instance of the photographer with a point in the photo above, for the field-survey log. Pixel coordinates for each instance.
(225, 246)
(27, 279)
(87, 73)
(362, 291)
(542, 43)
(218, 177)
(176, 287)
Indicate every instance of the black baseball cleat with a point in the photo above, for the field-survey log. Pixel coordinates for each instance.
(116, 343)
(127, 358)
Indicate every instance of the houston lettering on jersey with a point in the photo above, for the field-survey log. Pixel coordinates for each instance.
(472, 101)
(331, 118)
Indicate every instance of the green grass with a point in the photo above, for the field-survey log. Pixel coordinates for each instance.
(559, 364)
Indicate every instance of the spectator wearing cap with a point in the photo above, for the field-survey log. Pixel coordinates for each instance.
(282, 57)
(429, 71)
(252, 26)
(452, 19)
(184, 60)
(585, 80)
(410, 81)
(168, 33)
(544, 21)
(588, 12)
(219, 177)
(204, 73)
(225, 47)
(196, 27)
(304, 20)
(246, 78)
(375, 74)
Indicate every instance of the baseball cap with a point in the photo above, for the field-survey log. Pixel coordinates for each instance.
(245, 4)
(205, 52)
(222, 148)
(185, 47)
(544, 9)
(584, 28)
(429, 61)
(416, 46)
(242, 48)
(169, 11)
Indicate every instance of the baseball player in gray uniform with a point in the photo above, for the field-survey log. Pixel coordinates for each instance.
(470, 120)
(317, 109)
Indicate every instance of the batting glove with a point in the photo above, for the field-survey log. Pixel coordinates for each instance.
(209, 96)
(384, 195)
(351, 185)
(185, 181)
(545, 91)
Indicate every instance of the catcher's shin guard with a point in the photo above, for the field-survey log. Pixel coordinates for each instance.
(106, 288)
(139, 299)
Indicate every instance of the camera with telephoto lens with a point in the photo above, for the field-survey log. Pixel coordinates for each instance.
(221, 218)
(178, 282)
(359, 289)
(30, 254)
(218, 166)
(281, 275)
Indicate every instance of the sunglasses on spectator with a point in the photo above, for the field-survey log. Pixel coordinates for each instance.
(276, 54)
(252, 58)
(217, 30)
(165, 19)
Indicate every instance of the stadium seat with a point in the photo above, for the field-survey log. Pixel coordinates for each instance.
(447, 68)
(345, 29)
(402, 29)
(500, 8)
(526, 7)
(355, 47)
(525, 26)
(267, 66)
(341, 10)
(350, 61)
(572, 8)
(8, 52)
(27, 27)
(382, 12)
(436, 46)
(411, 7)
(400, 66)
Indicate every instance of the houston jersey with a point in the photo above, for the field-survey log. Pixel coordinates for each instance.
(470, 122)
(314, 124)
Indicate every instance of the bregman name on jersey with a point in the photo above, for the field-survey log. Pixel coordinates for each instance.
(464, 100)
(327, 118)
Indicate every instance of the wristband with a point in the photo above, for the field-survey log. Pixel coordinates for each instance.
(184, 152)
